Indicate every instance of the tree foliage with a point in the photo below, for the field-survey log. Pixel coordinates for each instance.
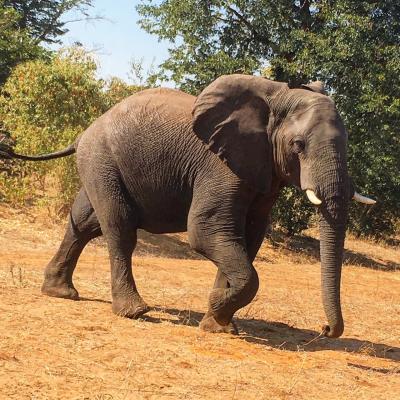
(42, 18)
(24, 25)
(16, 45)
(353, 46)
(117, 89)
(292, 212)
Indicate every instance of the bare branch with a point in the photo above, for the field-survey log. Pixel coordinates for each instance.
(87, 19)
(243, 20)
(305, 5)
(305, 15)
(251, 28)
(55, 18)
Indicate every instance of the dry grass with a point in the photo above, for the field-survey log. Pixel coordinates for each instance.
(59, 349)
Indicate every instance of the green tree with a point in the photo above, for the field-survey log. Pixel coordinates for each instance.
(117, 89)
(42, 18)
(16, 45)
(24, 25)
(353, 46)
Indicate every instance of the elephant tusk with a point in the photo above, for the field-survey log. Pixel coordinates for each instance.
(362, 199)
(313, 197)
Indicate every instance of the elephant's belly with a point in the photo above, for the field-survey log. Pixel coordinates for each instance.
(161, 212)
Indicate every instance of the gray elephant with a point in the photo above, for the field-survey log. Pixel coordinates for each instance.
(165, 161)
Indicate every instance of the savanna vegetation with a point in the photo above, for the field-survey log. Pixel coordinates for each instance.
(48, 98)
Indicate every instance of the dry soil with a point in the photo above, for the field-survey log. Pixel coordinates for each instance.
(59, 349)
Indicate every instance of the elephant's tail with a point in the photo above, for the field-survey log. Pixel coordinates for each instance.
(6, 151)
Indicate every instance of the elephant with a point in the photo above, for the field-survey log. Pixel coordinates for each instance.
(212, 165)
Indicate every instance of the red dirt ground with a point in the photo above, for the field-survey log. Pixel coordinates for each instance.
(59, 349)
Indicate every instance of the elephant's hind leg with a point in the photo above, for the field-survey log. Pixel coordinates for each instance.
(118, 220)
(82, 227)
(126, 300)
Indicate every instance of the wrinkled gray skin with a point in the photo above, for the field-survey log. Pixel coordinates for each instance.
(165, 161)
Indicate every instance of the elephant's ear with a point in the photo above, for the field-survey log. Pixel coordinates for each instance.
(231, 116)
(317, 87)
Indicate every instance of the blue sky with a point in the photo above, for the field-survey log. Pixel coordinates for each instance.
(117, 39)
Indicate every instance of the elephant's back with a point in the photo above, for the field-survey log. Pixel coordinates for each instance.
(158, 101)
(159, 115)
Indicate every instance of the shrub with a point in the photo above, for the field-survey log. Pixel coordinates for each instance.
(292, 212)
(45, 105)
(116, 90)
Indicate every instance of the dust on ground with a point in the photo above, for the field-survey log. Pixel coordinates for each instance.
(60, 349)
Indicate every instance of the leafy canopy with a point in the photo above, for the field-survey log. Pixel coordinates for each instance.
(42, 18)
(351, 45)
(15, 45)
(24, 25)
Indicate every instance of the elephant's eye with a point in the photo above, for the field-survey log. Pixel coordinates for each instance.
(298, 146)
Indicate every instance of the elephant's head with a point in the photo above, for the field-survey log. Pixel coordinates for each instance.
(266, 133)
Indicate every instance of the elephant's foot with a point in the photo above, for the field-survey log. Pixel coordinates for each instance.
(209, 324)
(55, 288)
(129, 307)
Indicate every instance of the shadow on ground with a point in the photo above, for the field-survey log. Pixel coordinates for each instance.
(156, 245)
(284, 337)
(168, 246)
(278, 335)
(175, 246)
(309, 246)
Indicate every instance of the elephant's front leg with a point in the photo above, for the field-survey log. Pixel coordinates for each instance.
(256, 223)
(257, 220)
(237, 280)
(241, 287)
(208, 323)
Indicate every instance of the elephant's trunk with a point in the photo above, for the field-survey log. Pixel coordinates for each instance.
(332, 234)
(334, 191)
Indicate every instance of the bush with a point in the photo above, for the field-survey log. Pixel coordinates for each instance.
(292, 212)
(116, 90)
(45, 105)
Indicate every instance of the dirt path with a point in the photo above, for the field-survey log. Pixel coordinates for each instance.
(59, 349)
